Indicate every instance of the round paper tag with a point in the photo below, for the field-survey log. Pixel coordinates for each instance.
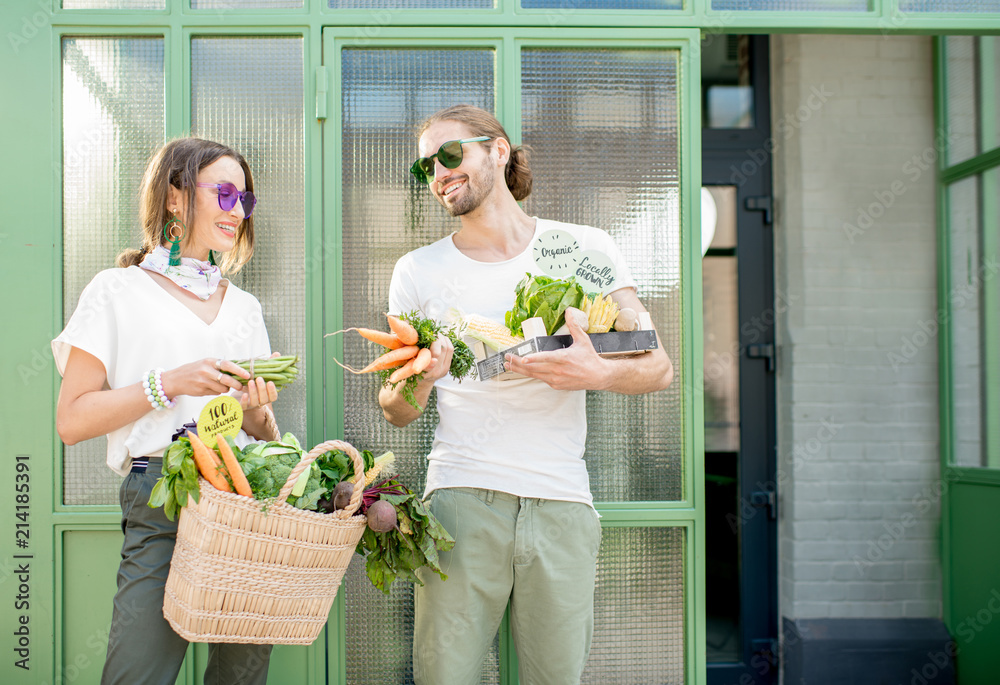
(595, 272)
(556, 253)
(221, 416)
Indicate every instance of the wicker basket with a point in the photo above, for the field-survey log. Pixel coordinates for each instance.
(240, 574)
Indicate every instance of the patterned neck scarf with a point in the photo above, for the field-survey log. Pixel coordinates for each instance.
(197, 277)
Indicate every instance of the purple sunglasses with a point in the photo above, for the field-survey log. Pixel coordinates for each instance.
(228, 195)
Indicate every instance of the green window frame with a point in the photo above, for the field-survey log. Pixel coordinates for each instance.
(983, 169)
(684, 514)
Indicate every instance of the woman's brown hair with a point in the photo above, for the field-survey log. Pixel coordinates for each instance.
(177, 164)
(517, 173)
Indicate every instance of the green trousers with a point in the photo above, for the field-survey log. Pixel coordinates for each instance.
(142, 647)
(538, 555)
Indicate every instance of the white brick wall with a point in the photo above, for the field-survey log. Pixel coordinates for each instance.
(857, 407)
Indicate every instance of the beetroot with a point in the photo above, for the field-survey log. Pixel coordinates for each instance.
(381, 516)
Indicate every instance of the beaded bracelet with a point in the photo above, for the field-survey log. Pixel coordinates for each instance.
(152, 385)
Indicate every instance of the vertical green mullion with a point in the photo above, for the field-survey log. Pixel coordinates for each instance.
(51, 577)
(945, 408)
(988, 48)
(319, 652)
(508, 110)
(989, 215)
(177, 122)
(691, 358)
(178, 86)
(332, 309)
(987, 88)
(56, 464)
(177, 79)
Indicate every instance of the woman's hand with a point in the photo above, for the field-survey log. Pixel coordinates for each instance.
(258, 393)
(258, 417)
(204, 377)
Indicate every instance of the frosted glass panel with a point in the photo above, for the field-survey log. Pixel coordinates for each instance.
(639, 608)
(386, 94)
(265, 124)
(721, 336)
(409, 5)
(114, 4)
(233, 7)
(616, 168)
(962, 98)
(949, 5)
(964, 296)
(567, 5)
(794, 5)
(112, 100)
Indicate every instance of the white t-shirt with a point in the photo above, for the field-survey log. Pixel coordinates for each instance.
(131, 324)
(518, 436)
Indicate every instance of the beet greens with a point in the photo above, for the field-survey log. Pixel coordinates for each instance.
(413, 543)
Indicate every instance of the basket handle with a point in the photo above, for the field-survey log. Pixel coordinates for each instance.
(313, 455)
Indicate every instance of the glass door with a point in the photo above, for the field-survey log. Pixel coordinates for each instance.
(609, 119)
(740, 309)
(114, 111)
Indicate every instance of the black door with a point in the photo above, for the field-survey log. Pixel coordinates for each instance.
(739, 316)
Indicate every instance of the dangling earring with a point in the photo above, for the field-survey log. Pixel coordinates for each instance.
(170, 229)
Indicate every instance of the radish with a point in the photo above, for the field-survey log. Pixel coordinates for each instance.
(381, 516)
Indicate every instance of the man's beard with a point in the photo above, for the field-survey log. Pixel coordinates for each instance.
(476, 190)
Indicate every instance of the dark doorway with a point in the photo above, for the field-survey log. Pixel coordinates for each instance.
(739, 309)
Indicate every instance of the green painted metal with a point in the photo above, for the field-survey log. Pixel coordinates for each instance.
(972, 475)
(332, 312)
(971, 167)
(885, 18)
(27, 249)
(990, 247)
(975, 596)
(945, 407)
(970, 595)
(989, 50)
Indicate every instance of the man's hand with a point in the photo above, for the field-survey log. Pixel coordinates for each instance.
(577, 367)
(397, 410)
(441, 354)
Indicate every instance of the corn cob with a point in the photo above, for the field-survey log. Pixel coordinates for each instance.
(494, 335)
(601, 313)
(381, 463)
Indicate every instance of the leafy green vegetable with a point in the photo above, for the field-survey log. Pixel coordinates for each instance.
(463, 361)
(178, 481)
(267, 466)
(543, 297)
(414, 543)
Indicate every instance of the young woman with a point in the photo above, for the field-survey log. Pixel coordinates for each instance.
(141, 356)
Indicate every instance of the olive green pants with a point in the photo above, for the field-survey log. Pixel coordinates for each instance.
(538, 555)
(142, 647)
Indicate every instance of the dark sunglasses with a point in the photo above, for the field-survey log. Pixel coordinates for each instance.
(449, 154)
(228, 196)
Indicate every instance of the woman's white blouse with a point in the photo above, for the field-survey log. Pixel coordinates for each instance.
(131, 324)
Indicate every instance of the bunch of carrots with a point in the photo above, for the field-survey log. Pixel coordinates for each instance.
(220, 469)
(183, 461)
(408, 354)
(405, 356)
